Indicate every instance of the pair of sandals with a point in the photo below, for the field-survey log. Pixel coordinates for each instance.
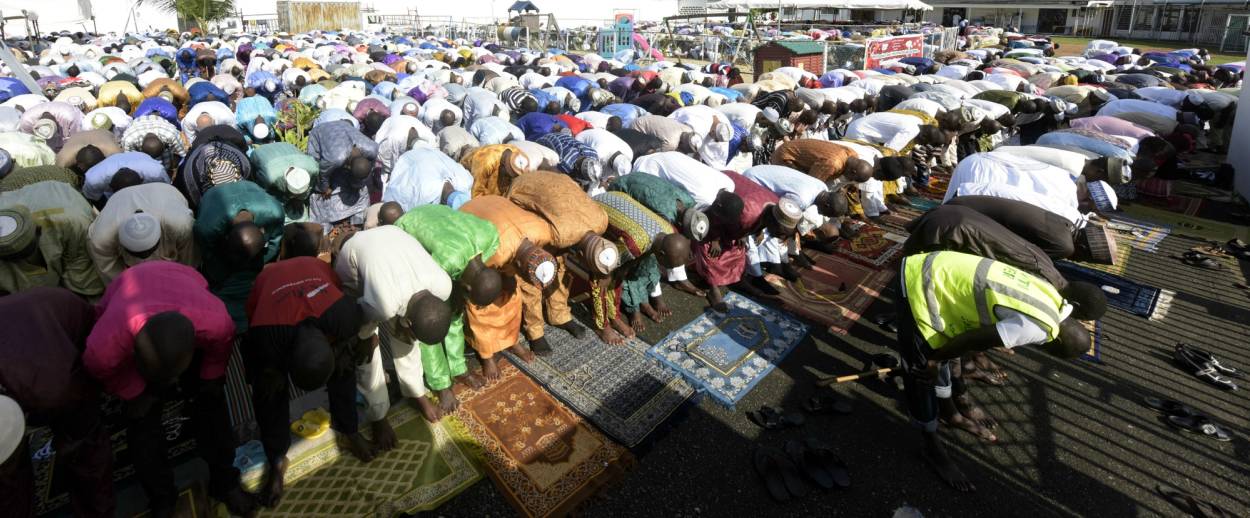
(1206, 366)
(1185, 418)
(1201, 259)
(787, 473)
(1190, 503)
(770, 418)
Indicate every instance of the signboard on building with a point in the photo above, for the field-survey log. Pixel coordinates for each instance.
(880, 50)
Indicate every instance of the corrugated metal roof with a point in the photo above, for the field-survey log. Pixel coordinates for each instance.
(800, 47)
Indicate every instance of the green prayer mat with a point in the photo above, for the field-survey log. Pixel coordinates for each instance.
(1189, 225)
(427, 468)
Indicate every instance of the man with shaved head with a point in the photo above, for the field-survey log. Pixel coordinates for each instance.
(239, 229)
(403, 293)
(460, 243)
(160, 335)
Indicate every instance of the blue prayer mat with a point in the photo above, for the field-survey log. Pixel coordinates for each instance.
(726, 355)
(1138, 299)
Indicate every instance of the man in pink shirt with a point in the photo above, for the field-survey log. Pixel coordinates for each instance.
(1112, 126)
(162, 335)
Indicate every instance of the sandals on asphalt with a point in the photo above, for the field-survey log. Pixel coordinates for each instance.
(1171, 407)
(819, 463)
(1190, 504)
(1201, 261)
(1200, 424)
(781, 476)
(1205, 366)
(826, 403)
(770, 418)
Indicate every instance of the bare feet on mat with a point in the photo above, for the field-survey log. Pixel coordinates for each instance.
(428, 409)
(470, 380)
(959, 422)
(687, 287)
(384, 436)
(636, 321)
(275, 484)
(358, 446)
(661, 309)
(490, 367)
(573, 328)
(983, 362)
(716, 299)
(526, 354)
(447, 401)
(624, 329)
(935, 455)
(609, 336)
(969, 409)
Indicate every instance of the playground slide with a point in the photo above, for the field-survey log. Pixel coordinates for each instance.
(643, 44)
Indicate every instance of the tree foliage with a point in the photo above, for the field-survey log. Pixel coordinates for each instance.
(202, 12)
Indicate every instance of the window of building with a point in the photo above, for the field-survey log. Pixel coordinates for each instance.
(1123, 18)
(1145, 15)
(1170, 18)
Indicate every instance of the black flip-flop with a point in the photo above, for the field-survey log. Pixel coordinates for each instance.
(781, 476)
(826, 404)
(1190, 503)
(808, 464)
(1237, 245)
(1201, 261)
(829, 461)
(1170, 407)
(1203, 356)
(770, 418)
(1200, 424)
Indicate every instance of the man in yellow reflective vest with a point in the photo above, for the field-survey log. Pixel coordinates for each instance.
(954, 304)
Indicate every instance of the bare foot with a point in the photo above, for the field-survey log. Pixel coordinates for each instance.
(384, 436)
(661, 308)
(650, 312)
(687, 287)
(609, 336)
(358, 446)
(984, 362)
(636, 321)
(573, 328)
(490, 369)
(239, 502)
(969, 409)
(623, 328)
(959, 422)
(524, 353)
(716, 300)
(470, 380)
(447, 402)
(275, 484)
(946, 469)
(428, 409)
(970, 372)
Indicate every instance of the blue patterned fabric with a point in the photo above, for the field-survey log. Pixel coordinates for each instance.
(726, 355)
(569, 149)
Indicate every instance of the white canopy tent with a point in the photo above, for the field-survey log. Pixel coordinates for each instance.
(819, 4)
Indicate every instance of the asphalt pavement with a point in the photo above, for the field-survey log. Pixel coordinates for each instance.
(1073, 438)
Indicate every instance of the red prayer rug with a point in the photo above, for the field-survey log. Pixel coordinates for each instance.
(835, 292)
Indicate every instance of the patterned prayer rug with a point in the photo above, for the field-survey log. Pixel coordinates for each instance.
(427, 468)
(873, 246)
(1140, 234)
(617, 387)
(1135, 298)
(835, 292)
(1189, 225)
(543, 457)
(727, 354)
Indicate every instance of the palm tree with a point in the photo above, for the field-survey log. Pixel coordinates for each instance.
(201, 12)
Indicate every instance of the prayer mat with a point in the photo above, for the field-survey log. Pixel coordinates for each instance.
(193, 502)
(727, 354)
(428, 467)
(1140, 234)
(1094, 354)
(1186, 205)
(543, 457)
(1189, 225)
(617, 387)
(938, 183)
(1135, 298)
(835, 292)
(873, 246)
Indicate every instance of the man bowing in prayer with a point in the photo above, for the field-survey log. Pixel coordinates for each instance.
(239, 229)
(43, 240)
(677, 207)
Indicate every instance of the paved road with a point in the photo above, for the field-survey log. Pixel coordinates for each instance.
(1073, 440)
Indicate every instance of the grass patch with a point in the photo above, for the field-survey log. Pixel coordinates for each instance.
(1070, 46)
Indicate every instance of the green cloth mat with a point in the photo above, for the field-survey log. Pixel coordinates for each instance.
(1190, 225)
(427, 468)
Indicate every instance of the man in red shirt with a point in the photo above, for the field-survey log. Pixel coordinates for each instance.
(295, 312)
